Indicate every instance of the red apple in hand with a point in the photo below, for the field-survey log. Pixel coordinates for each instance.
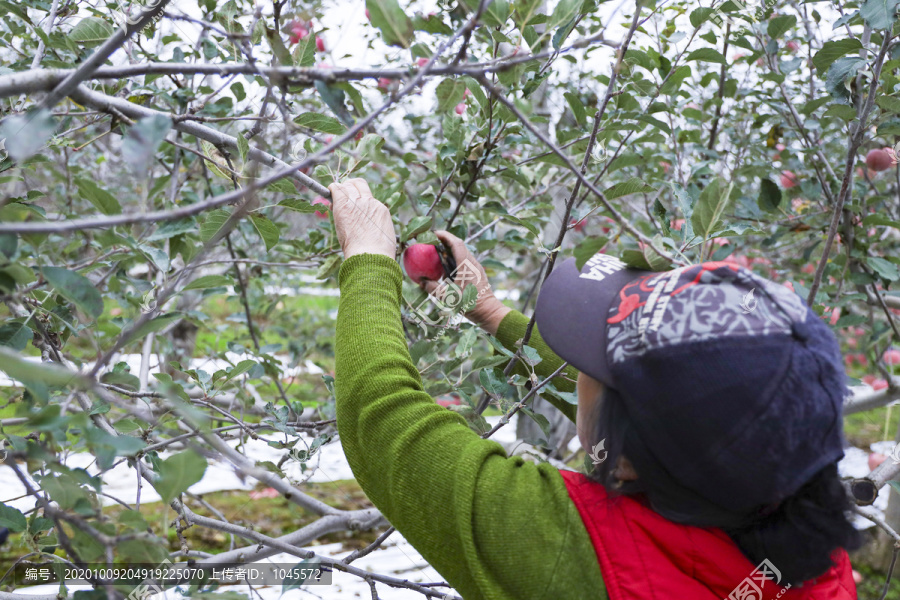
(879, 159)
(422, 261)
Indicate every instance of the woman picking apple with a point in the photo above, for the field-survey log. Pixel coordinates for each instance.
(713, 416)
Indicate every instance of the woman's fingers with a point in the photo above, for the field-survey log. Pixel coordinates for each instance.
(456, 245)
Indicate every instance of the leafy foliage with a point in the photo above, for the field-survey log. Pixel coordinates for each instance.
(729, 139)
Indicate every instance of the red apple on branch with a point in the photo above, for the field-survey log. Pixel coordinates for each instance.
(891, 357)
(788, 179)
(879, 159)
(422, 261)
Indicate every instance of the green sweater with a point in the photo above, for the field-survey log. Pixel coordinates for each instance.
(494, 526)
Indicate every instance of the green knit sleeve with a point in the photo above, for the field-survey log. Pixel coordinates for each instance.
(495, 527)
(511, 330)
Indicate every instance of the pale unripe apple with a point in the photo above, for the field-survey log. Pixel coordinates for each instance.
(422, 261)
(875, 459)
(878, 159)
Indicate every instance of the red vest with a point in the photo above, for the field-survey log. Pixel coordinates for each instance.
(644, 556)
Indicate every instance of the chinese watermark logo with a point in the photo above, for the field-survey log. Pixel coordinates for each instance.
(595, 455)
(449, 300)
(124, 19)
(895, 454)
(148, 302)
(748, 302)
(146, 591)
(298, 152)
(751, 588)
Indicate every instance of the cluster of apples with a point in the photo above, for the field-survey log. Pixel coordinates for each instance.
(300, 29)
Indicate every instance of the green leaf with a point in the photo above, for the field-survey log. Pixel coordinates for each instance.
(493, 381)
(839, 71)
(588, 248)
(633, 186)
(305, 52)
(213, 223)
(143, 139)
(656, 262)
(888, 104)
(833, 50)
(179, 472)
(879, 14)
(279, 51)
(12, 518)
(577, 107)
(884, 268)
(707, 55)
(301, 206)
(367, 150)
(673, 84)
(779, 25)
(320, 122)
(880, 219)
(240, 368)
(769, 195)
(243, 147)
(466, 341)
(701, 15)
(153, 325)
(91, 30)
(565, 11)
(25, 135)
(328, 267)
(105, 202)
(75, 288)
(396, 27)
(531, 356)
(416, 226)
(20, 369)
(15, 336)
(635, 259)
(266, 229)
(495, 15)
(450, 92)
(709, 208)
(208, 281)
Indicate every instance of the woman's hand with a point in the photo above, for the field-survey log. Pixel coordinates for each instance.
(488, 310)
(363, 223)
